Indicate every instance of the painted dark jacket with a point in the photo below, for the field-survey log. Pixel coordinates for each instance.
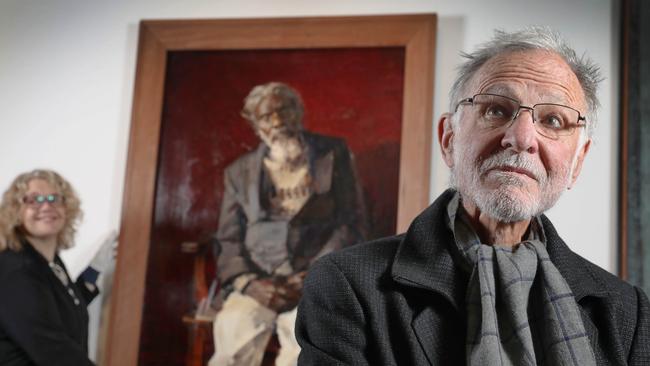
(40, 324)
(332, 218)
(401, 301)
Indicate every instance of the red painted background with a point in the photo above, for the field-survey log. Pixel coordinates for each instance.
(355, 94)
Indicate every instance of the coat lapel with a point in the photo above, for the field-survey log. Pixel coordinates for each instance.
(322, 173)
(254, 185)
(582, 282)
(424, 261)
(321, 163)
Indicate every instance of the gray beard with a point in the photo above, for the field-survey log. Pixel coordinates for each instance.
(289, 150)
(503, 203)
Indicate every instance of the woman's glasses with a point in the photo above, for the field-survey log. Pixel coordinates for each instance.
(37, 200)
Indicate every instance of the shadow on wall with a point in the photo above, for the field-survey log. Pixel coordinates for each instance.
(450, 39)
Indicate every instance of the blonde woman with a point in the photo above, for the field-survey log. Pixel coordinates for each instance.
(43, 316)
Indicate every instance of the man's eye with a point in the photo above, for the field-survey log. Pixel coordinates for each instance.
(496, 112)
(553, 121)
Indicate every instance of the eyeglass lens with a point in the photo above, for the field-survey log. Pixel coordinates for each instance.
(37, 200)
(551, 120)
(282, 113)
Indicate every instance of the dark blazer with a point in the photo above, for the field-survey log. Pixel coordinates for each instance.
(332, 218)
(39, 322)
(400, 301)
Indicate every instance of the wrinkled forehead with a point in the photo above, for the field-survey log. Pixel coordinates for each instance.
(271, 103)
(531, 76)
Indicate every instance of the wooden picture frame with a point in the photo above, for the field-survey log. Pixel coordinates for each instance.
(634, 199)
(414, 33)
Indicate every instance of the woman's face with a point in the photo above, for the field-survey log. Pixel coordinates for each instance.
(43, 211)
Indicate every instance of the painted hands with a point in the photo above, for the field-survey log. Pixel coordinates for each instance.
(279, 294)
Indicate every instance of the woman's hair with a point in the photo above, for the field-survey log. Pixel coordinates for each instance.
(11, 228)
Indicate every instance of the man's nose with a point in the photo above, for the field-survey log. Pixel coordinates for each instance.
(276, 121)
(521, 134)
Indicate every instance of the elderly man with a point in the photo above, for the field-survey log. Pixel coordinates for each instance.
(481, 277)
(292, 200)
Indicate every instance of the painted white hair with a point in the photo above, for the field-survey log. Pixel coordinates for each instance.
(259, 92)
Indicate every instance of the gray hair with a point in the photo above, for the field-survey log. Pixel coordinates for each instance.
(260, 92)
(532, 38)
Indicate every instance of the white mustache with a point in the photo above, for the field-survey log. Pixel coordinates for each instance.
(505, 159)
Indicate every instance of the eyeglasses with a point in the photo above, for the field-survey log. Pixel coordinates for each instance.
(284, 113)
(550, 119)
(38, 200)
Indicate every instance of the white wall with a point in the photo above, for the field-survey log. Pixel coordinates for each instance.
(67, 71)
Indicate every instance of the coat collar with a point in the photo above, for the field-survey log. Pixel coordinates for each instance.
(37, 256)
(42, 264)
(582, 281)
(426, 259)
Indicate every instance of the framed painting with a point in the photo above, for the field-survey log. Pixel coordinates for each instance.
(635, 146)
(364, 84)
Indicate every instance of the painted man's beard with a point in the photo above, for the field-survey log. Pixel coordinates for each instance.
(512, 198)
(287, 148)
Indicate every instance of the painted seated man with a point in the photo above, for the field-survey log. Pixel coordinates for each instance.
(285, 204)
(481, 277)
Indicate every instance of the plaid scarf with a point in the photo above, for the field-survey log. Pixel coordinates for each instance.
(520, 310)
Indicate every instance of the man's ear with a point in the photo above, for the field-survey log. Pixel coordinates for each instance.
(446, 138)
(578, 164)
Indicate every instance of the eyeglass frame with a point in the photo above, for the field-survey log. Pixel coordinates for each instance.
(32, 200)
(282, 112)
(530, 108)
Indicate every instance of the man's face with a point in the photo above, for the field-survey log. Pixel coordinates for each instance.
(276, 119)
(512, 172)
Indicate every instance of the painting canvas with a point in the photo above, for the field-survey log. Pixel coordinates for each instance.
(371, 95)
(352, 94)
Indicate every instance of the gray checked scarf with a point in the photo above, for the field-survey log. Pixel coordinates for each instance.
(520, 310)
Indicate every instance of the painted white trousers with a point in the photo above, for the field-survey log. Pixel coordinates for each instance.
(242, 330)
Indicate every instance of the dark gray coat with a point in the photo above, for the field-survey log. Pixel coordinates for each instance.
(400, 301)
